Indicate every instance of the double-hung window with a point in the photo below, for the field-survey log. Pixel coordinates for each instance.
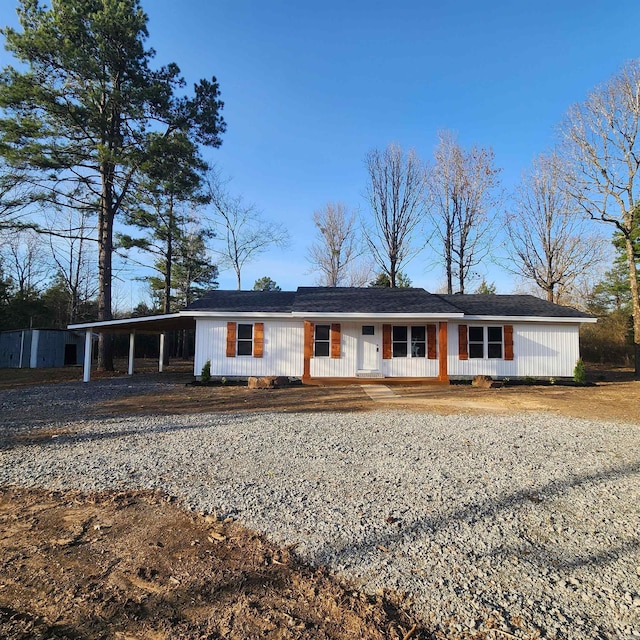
(399, 341)
(494, 342)
(418, 342)
(244, 344)
(322, 340)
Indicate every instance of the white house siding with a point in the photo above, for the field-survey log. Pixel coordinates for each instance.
(282, 356)
(539, 351)
(410, 368)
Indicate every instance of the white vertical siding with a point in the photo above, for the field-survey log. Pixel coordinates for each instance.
(410, 368)
(283, 349)
(539, 351)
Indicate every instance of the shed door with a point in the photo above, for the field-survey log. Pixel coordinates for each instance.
(369, 348)
(70, 354)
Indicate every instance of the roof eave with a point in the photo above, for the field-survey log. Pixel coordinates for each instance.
(373, 315)
(547, 319)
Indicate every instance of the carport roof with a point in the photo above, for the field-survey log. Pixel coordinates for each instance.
(147, 324)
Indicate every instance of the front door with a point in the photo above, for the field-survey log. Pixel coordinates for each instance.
(369, 348)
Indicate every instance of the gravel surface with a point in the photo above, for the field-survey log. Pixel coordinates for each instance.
(527, 523)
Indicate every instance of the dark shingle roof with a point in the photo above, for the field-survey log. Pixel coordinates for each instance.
(245, 301)
(379, 300)
(510, 305)
(368, 300)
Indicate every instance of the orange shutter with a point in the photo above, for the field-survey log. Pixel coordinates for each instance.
(308, 339)
(431, 342)
(335, 341)
(386, 342)
(463, 352)
(508, 342)
(231, 339)
(258, 339)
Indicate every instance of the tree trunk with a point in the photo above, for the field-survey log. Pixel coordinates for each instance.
(447, 256)
(635, 302)
(105, 251)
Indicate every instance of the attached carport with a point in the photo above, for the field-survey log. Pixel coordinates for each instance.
(149, 324)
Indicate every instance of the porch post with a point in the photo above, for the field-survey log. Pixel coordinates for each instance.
(132, 350)
(307, 351)
(88, 345)
(443, 373)
(161, 359)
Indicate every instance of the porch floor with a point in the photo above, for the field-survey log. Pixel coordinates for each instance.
(386, 381)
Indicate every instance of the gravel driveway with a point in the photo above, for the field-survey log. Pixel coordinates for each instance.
(529, 523)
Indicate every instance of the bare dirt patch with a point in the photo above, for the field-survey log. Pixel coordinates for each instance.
(616, 401)
(134, 565)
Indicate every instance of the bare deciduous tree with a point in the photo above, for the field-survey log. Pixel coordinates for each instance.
(73, 247)
(549, 243)
(336, 249)
(396, 193)
(24, 262)
(243, 232)
(603, 155)
(462, 195)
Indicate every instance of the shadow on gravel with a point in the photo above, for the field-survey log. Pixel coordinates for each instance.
(52, 437)
(491, 510)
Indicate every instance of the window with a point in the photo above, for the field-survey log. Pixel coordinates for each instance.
(485, 342)
(368, 330)
(409, 344)
(245, 340)
(418, 342)
(476, 342)
(494, 342)
(322, 340)
(399, 342)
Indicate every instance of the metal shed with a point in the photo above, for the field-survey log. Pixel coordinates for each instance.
(33, 348)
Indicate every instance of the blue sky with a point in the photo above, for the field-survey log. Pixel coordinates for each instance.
(310, 87)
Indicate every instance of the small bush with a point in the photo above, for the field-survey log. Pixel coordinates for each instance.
(205, 374)
(579, 373)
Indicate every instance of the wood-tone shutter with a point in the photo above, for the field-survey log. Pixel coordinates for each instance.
(386, 342)
(258, 339)
(335, 340)
(463, 351)
(308, 339)
(508, 342)
(431, 342)
(231, 339)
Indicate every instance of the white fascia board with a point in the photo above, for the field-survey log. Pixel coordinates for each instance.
(235, 314)
(379, 316)
(515, 319)
(115, 323)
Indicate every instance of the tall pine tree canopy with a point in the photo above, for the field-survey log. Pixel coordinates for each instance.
(81, 113)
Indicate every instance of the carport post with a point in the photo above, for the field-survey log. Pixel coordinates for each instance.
(88, 345)
(132, 349)
(161, 361)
